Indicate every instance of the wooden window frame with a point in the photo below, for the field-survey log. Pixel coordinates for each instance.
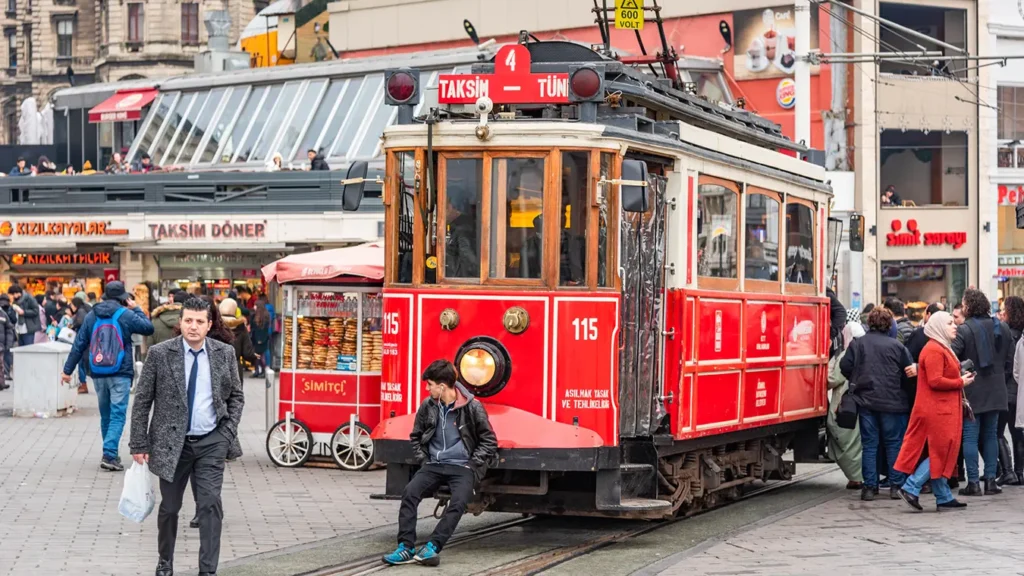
(593, 175)
(764, 286)
(793, 287)
(710, 282)
(187, 39)
(611, 194)
(442, 216)
(489, 157)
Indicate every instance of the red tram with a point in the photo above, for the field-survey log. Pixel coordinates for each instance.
(630, 278)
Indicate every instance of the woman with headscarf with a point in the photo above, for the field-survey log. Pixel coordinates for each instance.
(932, 441)
(844, 445)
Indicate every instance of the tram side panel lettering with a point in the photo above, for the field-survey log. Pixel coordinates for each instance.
(763, 328)
(719, 330)
(586, 374)
(761, 394)
(395, 383)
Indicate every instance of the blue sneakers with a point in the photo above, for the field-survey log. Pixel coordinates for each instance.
(402, 555)
(428, 555)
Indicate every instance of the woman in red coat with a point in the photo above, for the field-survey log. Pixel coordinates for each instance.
(937, 419)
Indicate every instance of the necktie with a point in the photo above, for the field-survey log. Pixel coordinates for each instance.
(192, 377)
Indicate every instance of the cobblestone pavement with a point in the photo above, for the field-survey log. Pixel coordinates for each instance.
(58, 510)
(845, 536)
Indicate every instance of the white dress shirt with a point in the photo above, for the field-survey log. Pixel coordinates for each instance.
(204, 416)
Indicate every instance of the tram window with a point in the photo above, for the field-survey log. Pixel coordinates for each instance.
(572, 269)
(603, 279)
(462, 192)
(799, 244)
(406, 198)
(762, 235)
(516, 230)
(716, 237)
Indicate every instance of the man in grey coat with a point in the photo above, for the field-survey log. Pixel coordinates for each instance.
(191, 383)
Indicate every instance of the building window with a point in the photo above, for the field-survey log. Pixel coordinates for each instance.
(136, 21)
(12, 6)
(190, 23)
(946, 24)
(65, 32)
(11, 118)
(924, 168)
(12, 47)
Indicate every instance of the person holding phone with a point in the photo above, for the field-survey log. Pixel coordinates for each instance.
(985, 341)
(105, 341)
(936, 421)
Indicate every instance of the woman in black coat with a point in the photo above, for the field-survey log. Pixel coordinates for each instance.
(985, 341)
(877, 367)
(1011, 463)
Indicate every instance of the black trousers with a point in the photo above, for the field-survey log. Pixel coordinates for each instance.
(1008, 419)
(427, 479)
(204, 458)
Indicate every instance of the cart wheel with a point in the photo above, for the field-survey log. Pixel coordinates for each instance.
(289, 453)
(352, 455)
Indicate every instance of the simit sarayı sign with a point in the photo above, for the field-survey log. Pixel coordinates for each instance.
(914, 237)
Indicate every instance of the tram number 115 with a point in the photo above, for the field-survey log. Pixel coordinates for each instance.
(585, 328)
(391, 324)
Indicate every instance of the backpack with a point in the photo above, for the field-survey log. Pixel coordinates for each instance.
(106, 345)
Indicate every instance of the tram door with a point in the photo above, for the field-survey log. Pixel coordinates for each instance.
(642, 239)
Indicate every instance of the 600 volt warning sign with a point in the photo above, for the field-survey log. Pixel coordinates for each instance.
(629, 14)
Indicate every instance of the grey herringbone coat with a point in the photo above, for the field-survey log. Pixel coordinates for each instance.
(163, 388)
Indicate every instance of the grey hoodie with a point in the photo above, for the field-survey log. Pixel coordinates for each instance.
(446, 446)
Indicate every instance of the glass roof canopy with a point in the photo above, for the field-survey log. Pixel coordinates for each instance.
(240, 120)
(342, 118)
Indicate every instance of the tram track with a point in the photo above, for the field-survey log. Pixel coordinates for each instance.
(538, 563)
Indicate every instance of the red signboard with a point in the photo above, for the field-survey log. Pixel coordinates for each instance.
(511, 83)
(914, 237)
(111, 274)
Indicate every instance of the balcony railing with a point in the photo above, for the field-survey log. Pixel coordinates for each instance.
(172, 192)
(1010, 154)
(73, 61)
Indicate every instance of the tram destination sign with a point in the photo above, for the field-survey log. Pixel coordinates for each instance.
(511, 83)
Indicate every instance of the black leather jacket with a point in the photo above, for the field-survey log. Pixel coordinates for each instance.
(474, 428)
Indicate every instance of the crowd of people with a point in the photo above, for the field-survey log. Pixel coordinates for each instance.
(914, 407)
(143, 164)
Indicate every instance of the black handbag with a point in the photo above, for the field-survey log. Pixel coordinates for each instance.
(846, 412)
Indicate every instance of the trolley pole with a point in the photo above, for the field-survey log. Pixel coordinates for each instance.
(802, 79)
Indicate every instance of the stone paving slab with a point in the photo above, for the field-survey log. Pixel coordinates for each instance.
(58, 509)
(846, 536)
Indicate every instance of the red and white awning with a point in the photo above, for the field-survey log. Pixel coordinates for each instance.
(123, 106)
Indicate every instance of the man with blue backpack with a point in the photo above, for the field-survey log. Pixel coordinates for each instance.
(105, 340)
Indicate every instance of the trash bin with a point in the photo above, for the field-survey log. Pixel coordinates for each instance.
(38, 390)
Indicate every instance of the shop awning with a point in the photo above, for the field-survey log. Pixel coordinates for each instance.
(123, 106)
(366, 260)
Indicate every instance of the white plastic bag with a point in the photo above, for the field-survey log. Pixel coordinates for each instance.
(66, 335)
(137, 497)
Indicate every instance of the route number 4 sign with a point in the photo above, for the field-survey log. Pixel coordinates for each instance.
(629, 14)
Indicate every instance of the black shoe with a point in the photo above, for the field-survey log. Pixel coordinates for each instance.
(164, 568)
(992, 488)
(867, 493)
(851, 485)
(909, 499)
(894, 493)
(951, 505)
(207, 574)
(194, 522)
(953, 483)
(972, 489)
(113, 465)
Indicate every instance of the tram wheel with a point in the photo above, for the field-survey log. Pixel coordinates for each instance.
(289, 448)
(352, 449)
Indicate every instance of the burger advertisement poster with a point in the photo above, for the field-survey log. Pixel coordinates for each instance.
(765, 42)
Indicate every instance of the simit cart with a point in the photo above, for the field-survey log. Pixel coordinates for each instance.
(326, 399)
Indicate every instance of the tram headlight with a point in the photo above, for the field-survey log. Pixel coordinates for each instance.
(484, 365)
(477, 367)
